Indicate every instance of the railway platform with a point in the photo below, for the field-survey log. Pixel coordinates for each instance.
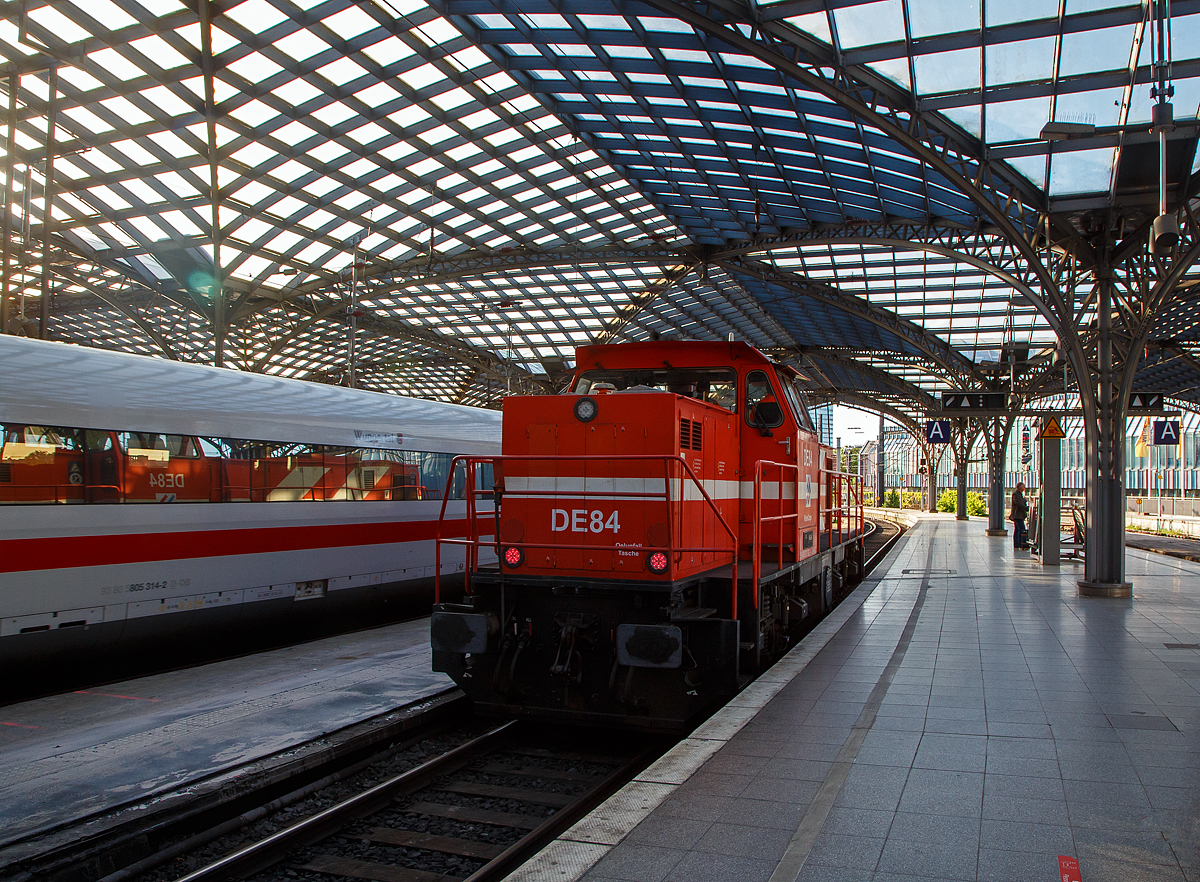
(964, 715)
(106, 752)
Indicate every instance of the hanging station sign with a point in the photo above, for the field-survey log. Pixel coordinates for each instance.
(937, 432)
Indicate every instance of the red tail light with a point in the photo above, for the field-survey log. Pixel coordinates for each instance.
(656, 562)
(513, 557)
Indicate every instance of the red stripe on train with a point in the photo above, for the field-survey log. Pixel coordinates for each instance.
(20, 555)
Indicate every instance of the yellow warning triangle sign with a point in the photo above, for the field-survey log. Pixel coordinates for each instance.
(1051, 429)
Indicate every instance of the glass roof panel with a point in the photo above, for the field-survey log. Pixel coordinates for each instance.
(1023, 61)
(927, 18)
(953, 71)
(1093, 51)
(869, 23)
(1081, 171)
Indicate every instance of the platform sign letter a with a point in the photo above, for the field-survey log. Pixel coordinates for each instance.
(937, 431)
(1166, 432)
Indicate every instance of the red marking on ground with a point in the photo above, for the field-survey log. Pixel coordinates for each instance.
(19, 725)
(1068, 869)
(113, 695)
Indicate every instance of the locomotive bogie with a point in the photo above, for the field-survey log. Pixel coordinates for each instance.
(586, 654)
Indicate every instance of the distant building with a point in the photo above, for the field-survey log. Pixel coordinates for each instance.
(822, 416)
(1148, 469)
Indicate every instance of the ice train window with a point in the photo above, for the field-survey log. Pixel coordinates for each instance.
(36, 443)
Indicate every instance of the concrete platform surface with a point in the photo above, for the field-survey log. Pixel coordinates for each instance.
(965, 716)
(1174, 546)
(70, 756)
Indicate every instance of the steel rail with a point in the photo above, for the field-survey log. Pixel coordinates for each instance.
(557, 823)
(266, 852)
(271, 850)
(882, 551)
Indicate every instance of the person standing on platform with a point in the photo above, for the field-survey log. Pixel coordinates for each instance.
(1020, 511)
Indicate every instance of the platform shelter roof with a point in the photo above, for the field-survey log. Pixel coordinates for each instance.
(472, 188)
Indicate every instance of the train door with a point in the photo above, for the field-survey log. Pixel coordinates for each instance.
(770, 437)
(103, 477)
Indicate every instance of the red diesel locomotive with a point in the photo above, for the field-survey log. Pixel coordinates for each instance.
(662, 529)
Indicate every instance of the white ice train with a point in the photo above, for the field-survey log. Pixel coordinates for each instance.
(143, 499)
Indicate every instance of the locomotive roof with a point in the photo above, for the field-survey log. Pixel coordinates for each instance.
(59, 384)
(678, 353)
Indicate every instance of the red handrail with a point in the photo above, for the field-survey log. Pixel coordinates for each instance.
(845, 503)
(756, 533)
(845, 506)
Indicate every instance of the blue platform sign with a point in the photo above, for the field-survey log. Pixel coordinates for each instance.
(1166, 432)
(937, 431)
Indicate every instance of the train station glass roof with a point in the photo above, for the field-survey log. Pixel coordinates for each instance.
(473, 188)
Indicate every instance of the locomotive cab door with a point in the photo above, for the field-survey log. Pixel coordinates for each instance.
(769, 435)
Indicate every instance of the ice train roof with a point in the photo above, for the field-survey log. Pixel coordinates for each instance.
(58, 384)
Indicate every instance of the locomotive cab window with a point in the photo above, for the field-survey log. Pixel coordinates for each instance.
(712, 385)
(763, 410)
(799, 403)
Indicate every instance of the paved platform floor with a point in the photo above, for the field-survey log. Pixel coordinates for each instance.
(69, 756)
(1174, 546)
(967, 716)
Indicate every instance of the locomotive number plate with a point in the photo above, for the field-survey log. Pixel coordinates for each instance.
(581, 520)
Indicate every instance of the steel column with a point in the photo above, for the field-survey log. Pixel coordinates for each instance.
(1051, 504)
(964, 439)
(214, 197)
(931, 475)
(997, 447)
(48, 203)
(10, 169)
(1104, 561)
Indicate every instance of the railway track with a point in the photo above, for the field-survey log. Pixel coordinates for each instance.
(473, 813)
(879, 542)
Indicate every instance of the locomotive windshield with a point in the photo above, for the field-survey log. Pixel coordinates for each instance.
(712, 385)
(798, 401)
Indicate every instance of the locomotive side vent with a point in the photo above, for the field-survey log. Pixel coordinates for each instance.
(368, 479)
(685, 433)
(5, 473)
(697, 433)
